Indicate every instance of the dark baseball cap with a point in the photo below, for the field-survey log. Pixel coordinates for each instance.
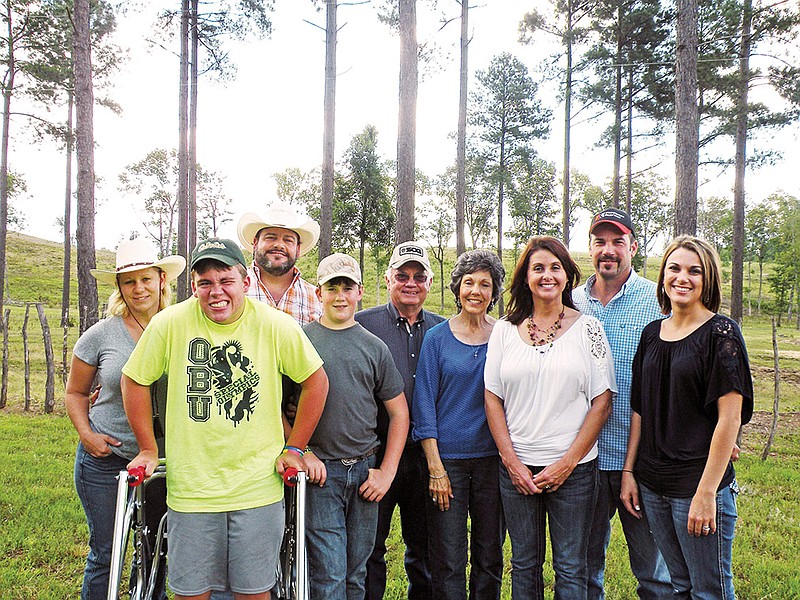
(225, 251)
(616, 217)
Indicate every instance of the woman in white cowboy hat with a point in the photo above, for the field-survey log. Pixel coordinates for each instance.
(107, 444)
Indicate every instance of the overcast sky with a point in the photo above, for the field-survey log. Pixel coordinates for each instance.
(269, 117)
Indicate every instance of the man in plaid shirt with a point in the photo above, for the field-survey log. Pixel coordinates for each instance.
(278, 239)
(624, 303)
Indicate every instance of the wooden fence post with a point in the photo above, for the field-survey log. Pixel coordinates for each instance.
(26, 358)
(4, 388)
(776, 397)
(65, 324)
(50, 385)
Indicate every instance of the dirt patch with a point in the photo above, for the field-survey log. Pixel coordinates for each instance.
(755, 433)
(767, 374)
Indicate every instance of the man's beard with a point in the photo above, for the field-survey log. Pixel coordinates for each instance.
(605, 273)
(276, 270)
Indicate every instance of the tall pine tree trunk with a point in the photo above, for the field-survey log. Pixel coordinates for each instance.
(407, 122)
(191, 211)
(84, 104)
(629, 134)
(461, 144)
(500, 200)
(66, 274)
(737, 258)
(183, 152)
(565, 199)
(328, 132)
(686, 119)
(615, 184)
(8, 90)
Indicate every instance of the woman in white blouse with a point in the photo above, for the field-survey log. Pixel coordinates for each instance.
(549, 380)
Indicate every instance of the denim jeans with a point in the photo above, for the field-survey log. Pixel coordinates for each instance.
(476, 493)
(568, 512)
(340, 531)
(96, 484)
(700, 567)
(647, 564)
(409, 492)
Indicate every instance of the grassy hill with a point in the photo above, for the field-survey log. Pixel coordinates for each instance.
(35, 267)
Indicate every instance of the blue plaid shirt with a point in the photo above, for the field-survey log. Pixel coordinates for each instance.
(623, 319)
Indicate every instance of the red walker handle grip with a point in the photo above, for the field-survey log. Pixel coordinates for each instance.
(135, 476)
(290, 476)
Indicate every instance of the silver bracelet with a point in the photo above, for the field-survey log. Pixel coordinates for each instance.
(442, 476)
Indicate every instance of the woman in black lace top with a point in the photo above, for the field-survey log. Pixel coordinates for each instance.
(691, 392)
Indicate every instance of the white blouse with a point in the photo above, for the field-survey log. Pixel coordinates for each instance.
(548, 390)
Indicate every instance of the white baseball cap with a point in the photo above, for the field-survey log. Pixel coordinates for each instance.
(408, 252)
(338, 265)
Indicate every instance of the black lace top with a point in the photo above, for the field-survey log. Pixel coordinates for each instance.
(675, 389)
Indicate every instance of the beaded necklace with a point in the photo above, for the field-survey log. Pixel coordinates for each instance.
(541, 337)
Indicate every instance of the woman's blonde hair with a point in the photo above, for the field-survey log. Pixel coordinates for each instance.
(116, 303)
(711, 296)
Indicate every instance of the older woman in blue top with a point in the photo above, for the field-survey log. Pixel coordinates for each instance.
(450, 421)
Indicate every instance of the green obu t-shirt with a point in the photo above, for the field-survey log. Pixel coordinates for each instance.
(223, 416)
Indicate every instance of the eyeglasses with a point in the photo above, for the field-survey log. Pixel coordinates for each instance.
(401, 277)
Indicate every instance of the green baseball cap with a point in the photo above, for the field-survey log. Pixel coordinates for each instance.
(223, 250)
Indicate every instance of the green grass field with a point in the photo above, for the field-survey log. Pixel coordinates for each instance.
(43, 533)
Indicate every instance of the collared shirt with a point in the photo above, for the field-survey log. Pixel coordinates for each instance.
(404, 340)
(623, 319)
(299, 300)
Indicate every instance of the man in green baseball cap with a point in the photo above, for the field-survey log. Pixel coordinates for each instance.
(225, 251)
(219, 279)
(224, 355)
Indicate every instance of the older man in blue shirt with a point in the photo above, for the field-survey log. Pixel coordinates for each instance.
(401, 324)
(624, 303)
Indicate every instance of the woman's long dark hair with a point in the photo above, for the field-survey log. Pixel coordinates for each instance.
(520, 306)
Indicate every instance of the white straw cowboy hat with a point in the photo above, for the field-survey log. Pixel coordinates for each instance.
(133, 255)
(251, 223)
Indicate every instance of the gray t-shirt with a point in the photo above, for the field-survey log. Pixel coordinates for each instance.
(107, 345)
(361, 373)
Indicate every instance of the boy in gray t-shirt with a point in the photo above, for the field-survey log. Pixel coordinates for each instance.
(343, 453)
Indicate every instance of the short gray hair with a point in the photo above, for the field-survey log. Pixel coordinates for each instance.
(478, 260)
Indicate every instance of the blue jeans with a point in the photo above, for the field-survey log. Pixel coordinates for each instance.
(96, 484)
(476, 493)
(700, 567)
(647, 564)
(340, 531)
(409, 492)
(569, 511)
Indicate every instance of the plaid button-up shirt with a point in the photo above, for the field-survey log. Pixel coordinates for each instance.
(623, 319)
(300, 299)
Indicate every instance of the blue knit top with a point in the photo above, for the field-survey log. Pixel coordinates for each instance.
(448, 396)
